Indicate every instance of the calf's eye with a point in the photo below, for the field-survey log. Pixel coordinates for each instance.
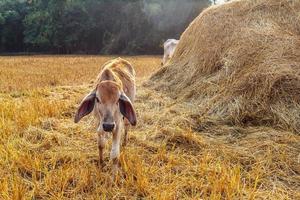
(97, 99)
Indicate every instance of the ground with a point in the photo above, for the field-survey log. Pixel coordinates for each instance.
(45, 155)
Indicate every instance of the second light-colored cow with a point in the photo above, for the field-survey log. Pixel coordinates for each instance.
(169, 49)
(111, 101)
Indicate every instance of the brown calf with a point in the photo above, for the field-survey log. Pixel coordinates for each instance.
(111, 101)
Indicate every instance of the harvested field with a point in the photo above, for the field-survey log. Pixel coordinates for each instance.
(44, 155)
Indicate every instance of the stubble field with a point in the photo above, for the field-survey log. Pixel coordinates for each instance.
(44, 155)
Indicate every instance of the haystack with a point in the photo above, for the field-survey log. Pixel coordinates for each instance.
(239, 63)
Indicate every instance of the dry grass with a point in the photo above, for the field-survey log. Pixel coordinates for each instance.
(240, 63)
(44, 155)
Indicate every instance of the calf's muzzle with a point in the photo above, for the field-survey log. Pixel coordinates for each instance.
(108, 127)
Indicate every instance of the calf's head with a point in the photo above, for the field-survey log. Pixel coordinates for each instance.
(110, 103)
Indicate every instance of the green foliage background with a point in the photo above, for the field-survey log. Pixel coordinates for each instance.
(93, 26)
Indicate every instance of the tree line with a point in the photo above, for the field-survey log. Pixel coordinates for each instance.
(93, 26)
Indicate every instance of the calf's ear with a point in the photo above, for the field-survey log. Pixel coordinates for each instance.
(127, 110)
(86, 106)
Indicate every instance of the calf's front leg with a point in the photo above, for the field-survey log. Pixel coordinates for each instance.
(115, 150)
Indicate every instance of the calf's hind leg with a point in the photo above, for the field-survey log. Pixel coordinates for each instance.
(126, 129)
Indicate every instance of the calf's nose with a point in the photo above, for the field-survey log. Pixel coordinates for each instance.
(108, 127)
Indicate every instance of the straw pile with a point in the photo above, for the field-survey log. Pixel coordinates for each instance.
(239, 63)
